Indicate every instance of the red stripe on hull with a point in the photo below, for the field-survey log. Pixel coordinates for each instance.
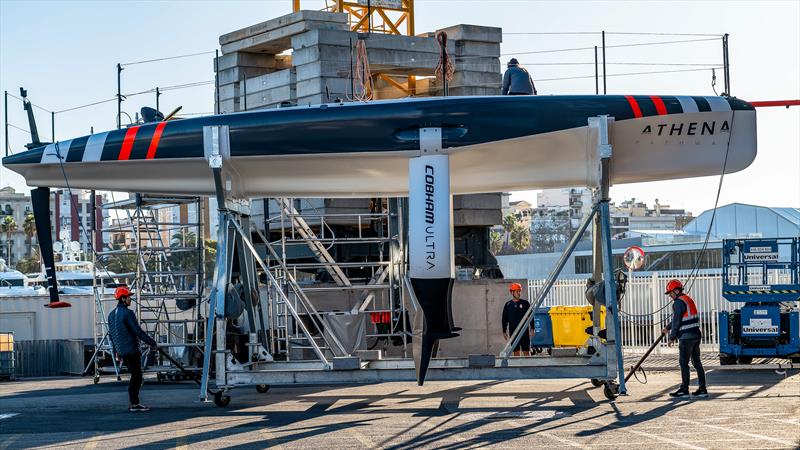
(127, 144)
(660, 107)
(634, 106)
(151, 151)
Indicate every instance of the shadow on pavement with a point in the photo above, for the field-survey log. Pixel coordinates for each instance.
(537, 412)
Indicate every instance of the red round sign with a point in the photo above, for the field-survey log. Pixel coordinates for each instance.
(633, 257)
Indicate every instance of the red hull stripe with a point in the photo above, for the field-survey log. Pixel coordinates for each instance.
(634, 106)
(660, 107)
(151, 151)
(127, 144)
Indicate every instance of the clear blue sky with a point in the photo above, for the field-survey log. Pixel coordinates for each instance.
(65, 54)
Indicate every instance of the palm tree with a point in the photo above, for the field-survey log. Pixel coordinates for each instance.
(495, 242)
(520, 238)
(8, 226)
(183, 238)
(509, 223)
(29, 227)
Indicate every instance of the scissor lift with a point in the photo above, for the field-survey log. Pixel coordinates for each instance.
(764, 274)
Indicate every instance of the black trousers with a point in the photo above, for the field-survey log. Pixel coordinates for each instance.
(690, 349)
(524, 342)
(134, 365)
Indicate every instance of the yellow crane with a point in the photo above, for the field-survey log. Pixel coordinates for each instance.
(374, 16)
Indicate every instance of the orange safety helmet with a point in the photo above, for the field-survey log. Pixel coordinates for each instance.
(515, 287)
(672, 285)
(122, 291)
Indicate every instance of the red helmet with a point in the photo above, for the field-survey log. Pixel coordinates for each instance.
(122, 291)
(672, 285)
(515, 287)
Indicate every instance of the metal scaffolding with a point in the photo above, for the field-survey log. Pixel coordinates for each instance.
(364, 284)
(159, 242)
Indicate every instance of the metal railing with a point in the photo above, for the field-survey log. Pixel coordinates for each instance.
(645, 310)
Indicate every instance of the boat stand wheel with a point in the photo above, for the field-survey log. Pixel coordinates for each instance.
(727, 360)
(262, 388)
(611, 390)
(160, 377)
(96, 379)
(221, 399)
(596, 382)
(745, 359)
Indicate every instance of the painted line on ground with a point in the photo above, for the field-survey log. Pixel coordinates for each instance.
(8, 415)
(649, 435)
(271, 440)
(181, 443)
(744, 433)
(364, 440)
(91, 444)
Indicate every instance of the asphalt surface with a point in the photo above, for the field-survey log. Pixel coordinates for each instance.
(747, 409)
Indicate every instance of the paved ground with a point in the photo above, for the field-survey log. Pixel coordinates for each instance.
(747, 409)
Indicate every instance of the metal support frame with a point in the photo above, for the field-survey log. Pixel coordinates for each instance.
(515, 337)
(605, 256)
(606, 363)
(233, 240)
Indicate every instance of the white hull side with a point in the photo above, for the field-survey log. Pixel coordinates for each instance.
(563, 158)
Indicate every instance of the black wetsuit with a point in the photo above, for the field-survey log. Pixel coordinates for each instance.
(513, 312)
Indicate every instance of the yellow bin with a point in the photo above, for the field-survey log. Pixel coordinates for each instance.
(570, 323)
(6, 342)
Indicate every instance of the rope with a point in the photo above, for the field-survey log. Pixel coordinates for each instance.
(693, 274)
(165, 58)
(444, 68)
(644, 374)
(362, 77)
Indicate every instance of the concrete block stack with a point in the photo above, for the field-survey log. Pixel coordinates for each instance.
(477, 209)
(476, 54)
(252, 72)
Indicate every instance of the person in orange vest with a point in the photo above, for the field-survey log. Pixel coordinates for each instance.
(513, 312)
(685, 329)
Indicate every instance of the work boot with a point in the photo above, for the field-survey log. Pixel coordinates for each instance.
(680, 393)
(702, 392)
(138, 408)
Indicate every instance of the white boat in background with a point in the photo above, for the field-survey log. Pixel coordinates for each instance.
(74, 275)
(14, 283)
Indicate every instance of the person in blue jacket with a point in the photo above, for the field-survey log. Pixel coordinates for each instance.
(517, 80)
(125, 333)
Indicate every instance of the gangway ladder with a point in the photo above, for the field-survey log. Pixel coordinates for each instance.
(319, 250)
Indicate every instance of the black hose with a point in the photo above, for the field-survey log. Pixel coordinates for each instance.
(644, 357)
